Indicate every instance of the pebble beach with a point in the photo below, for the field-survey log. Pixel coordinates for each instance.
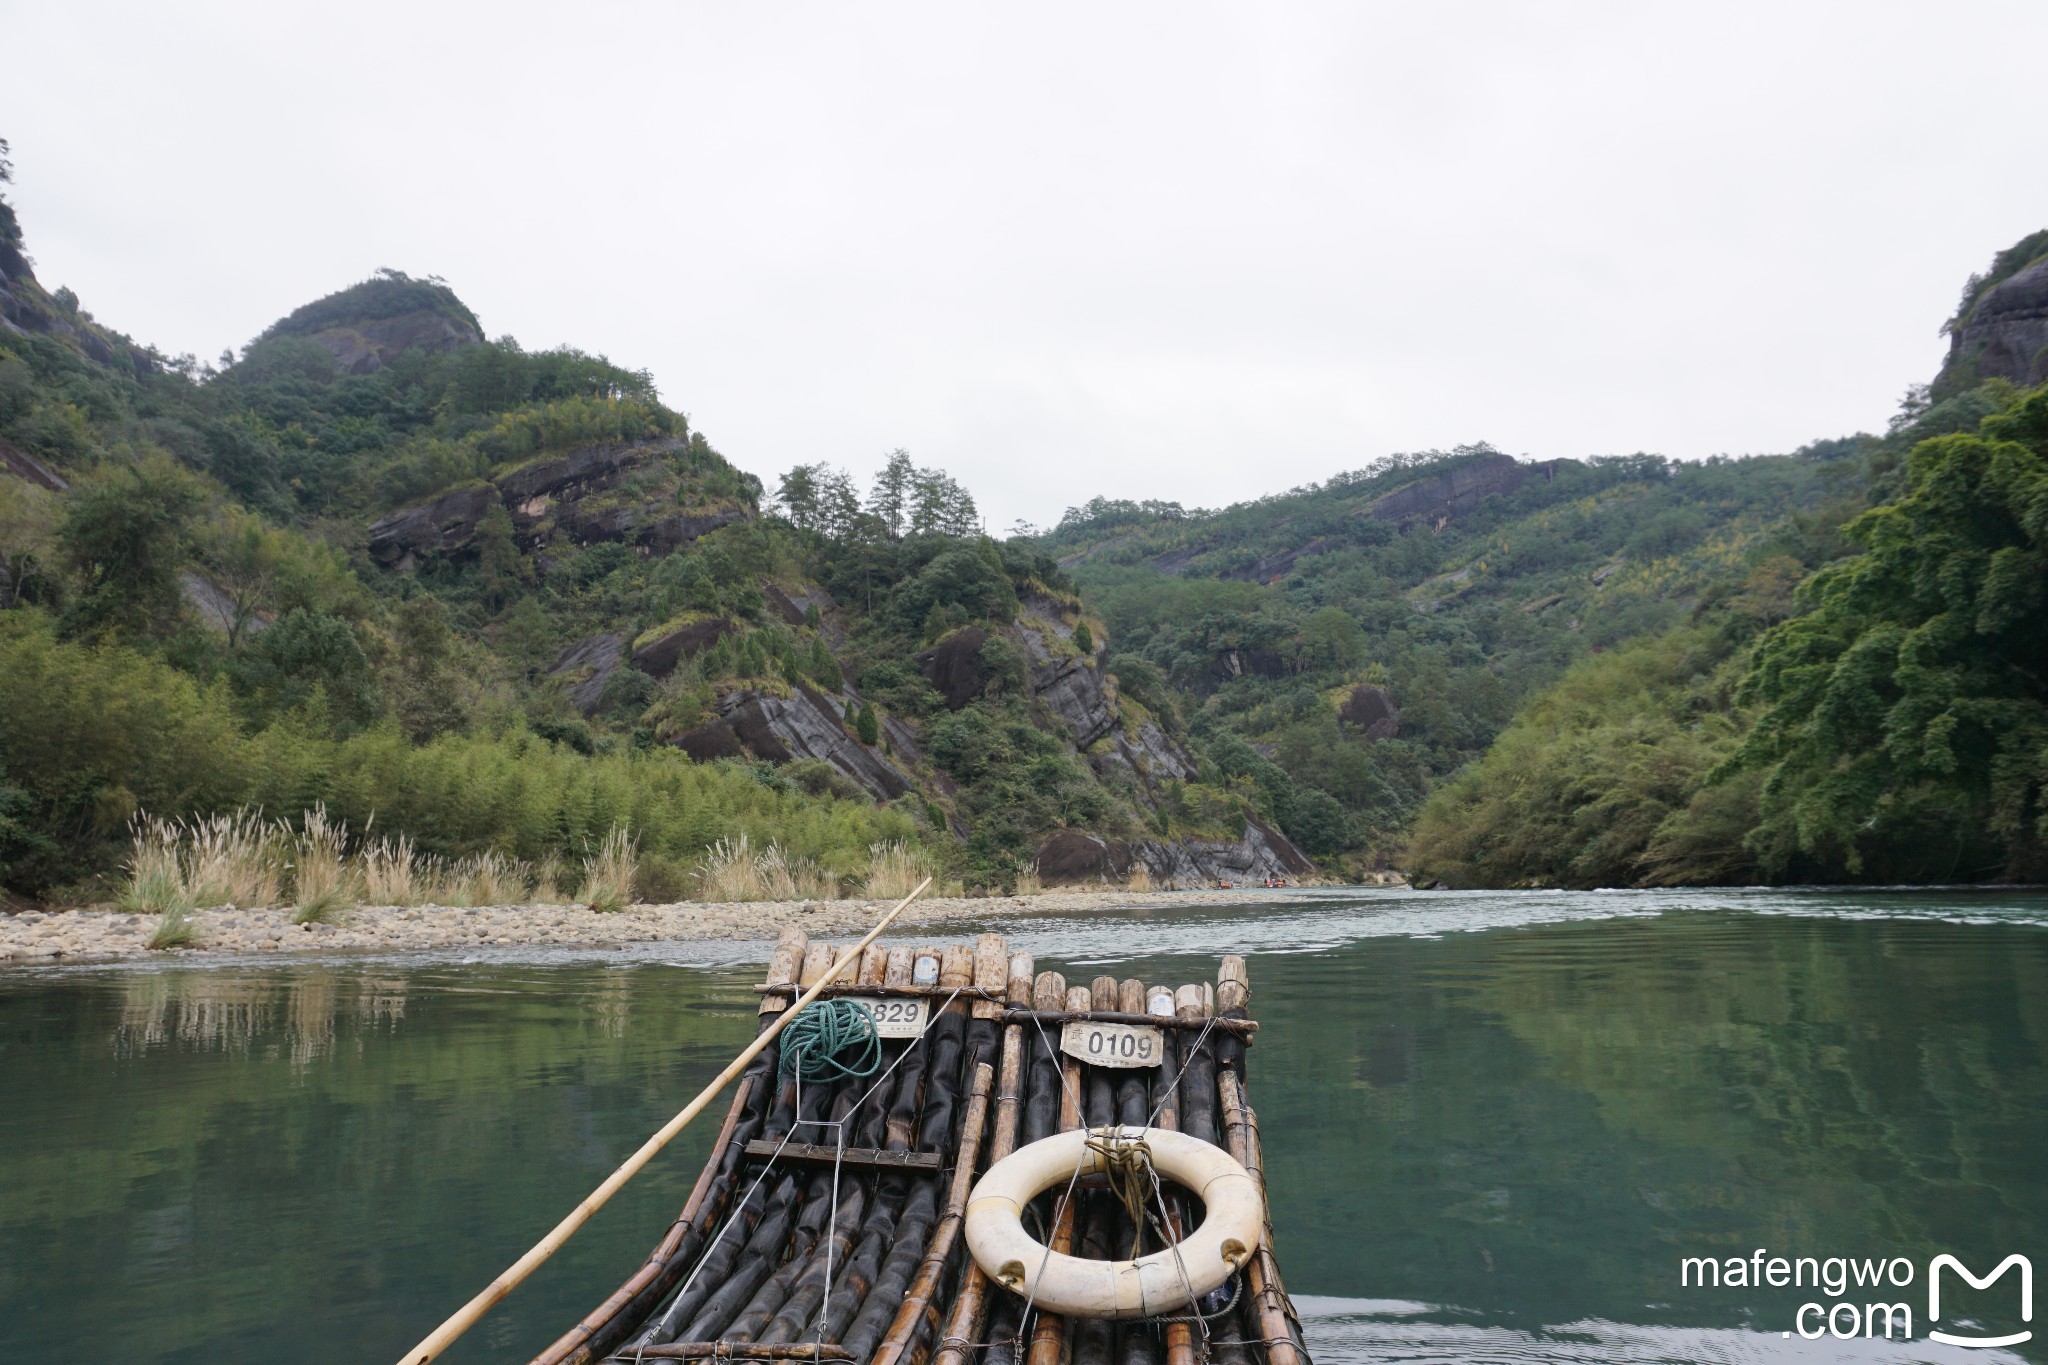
(51, 937)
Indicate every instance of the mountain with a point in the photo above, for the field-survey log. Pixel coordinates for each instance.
(499, 601)
(504, 603)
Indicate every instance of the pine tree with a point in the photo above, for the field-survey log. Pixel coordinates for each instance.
(891, 496)
(867, 725)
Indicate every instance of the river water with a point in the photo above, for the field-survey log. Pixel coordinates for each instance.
(1495, 1124)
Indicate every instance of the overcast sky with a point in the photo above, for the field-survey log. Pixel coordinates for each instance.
(1184, 251)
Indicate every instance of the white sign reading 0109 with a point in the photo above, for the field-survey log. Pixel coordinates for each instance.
(896, 1016)
(1125, 1045)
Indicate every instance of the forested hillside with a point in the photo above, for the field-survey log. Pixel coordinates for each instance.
(501, 604)
(1826, 665)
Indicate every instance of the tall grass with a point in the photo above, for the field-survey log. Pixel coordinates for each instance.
(233, 859)
(608, 873)
(1140, 878)
(895, 867)
(156, 882)
(324, 882)
(391, 872)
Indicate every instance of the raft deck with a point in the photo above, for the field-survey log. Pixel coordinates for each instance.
(827, 1222)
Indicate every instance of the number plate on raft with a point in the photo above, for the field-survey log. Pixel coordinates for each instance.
(1128, 1045)
(896, 1016)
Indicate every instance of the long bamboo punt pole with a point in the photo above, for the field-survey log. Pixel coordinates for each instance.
(917, 1304)
(970, 1306)
(466, 1317)
(1269, 1301)
(574, 1346)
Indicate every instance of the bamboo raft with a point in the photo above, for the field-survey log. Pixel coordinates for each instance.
(827, 1224)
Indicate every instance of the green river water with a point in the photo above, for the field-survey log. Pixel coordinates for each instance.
(1495, 1124)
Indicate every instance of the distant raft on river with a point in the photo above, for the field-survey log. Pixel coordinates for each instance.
(950, 1160)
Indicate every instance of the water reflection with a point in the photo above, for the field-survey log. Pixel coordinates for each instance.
(1527, 1106)
(294, 1012)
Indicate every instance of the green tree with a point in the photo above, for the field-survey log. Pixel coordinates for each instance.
(124, 534)
(867, 725)
(500, 569)
(1330, 638)
(894, 488)
(307, 653)
(1084, 638)
(1907, 710)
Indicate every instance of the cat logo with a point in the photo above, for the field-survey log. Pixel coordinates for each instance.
(2026, 1298)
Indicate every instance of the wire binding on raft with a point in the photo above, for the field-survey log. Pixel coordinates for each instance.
(814, 1039)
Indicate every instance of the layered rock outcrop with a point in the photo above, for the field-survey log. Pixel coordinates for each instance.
(576, 497)
(368, 345)
(1077, 858)
(778, 729)
(1443, 498)
(2005, 335)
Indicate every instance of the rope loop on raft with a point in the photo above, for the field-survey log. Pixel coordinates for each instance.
(814, 1040)
(1126, 1161)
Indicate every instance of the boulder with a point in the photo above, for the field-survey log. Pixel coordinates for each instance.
(436, 526)
(953, 666)
(2006, 334)
(1073, 857)
(574, 475)
(658, 657)
(1372, 710)
(586, 664)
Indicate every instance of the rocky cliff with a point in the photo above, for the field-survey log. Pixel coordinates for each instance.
(2005, 334)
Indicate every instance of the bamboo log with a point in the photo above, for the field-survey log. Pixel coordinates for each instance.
(1241, 1027)
(742, 1350)
(1198, 1069)
(878, 1307)
(1180, 1336)
(1042, 1087)
(970, 1305)
(784, 964)
(919, 1314)
(1261, 1272)
(1048, 1338)
(1133, 1088)
(465, 1317)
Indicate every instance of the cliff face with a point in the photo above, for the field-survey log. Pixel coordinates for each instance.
(635, 493)
(2005, 336)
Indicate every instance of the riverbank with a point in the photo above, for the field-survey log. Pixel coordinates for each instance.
(108, 935)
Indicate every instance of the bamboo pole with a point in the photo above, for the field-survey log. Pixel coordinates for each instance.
(466, 1317)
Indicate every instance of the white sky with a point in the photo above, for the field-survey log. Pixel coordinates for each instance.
(1187, 250)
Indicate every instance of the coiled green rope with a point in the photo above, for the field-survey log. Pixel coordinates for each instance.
(814, 1039)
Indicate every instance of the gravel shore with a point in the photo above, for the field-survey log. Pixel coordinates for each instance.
(106, 935)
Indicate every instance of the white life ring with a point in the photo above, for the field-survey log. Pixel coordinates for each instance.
(1159, 1283)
